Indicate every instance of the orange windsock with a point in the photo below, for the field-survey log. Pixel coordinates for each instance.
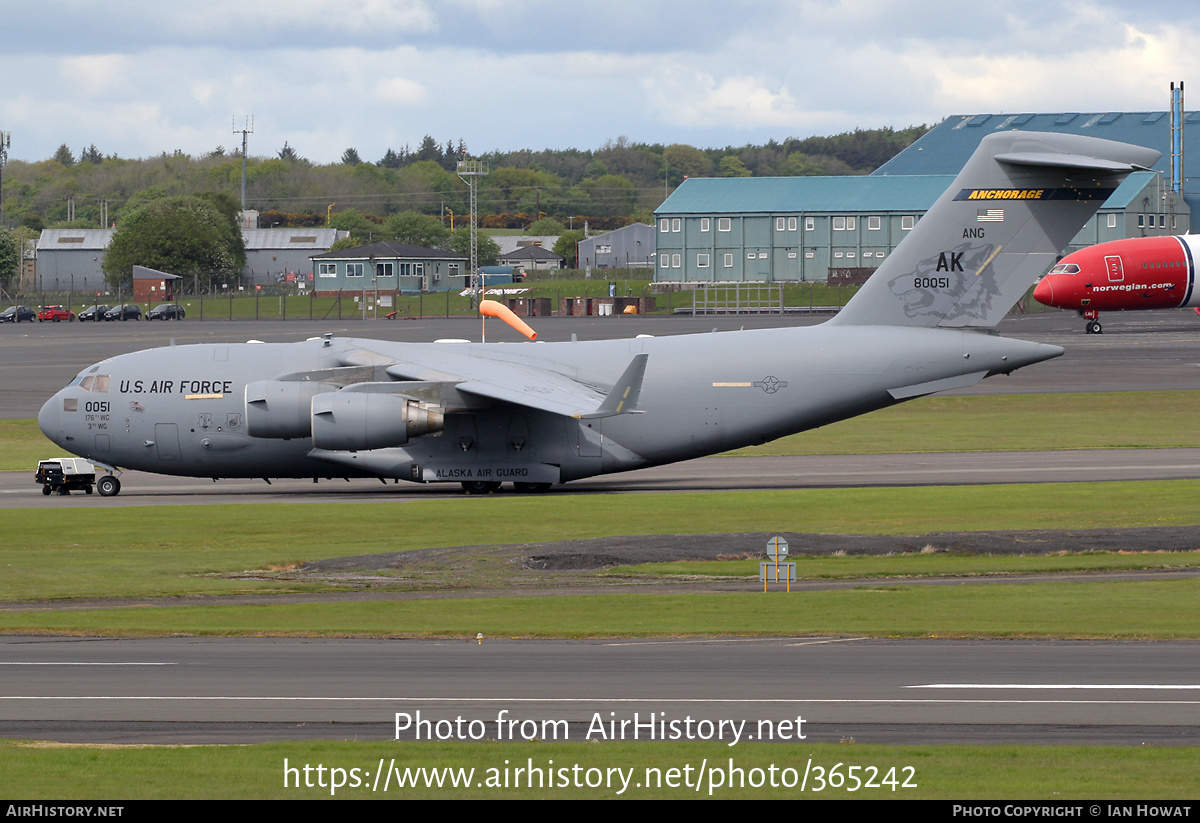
(490, 308)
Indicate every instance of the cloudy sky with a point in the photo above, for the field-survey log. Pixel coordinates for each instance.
(137, 77)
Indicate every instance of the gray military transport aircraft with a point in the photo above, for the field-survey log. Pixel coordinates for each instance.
(543, 413)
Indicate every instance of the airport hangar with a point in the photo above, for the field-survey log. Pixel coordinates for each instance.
(779, 229)
(71, 259)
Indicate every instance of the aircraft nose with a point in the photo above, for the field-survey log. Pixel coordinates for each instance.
(48, 418)
(1044, 292)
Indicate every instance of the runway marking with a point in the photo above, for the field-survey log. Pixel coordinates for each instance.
(990, 471)
(1145, 686)
(736, 640)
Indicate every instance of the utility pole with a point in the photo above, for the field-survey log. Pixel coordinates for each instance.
(5, 142)
(247, 129)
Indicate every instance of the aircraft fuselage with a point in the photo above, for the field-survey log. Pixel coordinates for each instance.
(1122, 275)
(190, 410)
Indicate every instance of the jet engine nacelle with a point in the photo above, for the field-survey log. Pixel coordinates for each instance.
(282, 408)
(360, 421)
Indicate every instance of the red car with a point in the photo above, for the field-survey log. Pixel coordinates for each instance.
(55, 313)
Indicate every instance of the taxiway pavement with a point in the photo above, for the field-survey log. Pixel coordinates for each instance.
(876, 691)
(716, 474)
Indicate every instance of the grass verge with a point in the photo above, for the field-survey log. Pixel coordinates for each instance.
(915, 565)
(1052, 773)
(1142, 610)
(1010, 422)
(176, 550)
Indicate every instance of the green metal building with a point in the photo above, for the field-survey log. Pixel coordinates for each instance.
(769, 229)
(805, 228)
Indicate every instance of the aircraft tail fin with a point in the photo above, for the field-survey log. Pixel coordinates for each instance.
(1016, 204)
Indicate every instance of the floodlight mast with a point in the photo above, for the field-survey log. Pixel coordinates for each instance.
(469, 171)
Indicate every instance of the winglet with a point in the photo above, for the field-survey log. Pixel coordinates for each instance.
(624, 395)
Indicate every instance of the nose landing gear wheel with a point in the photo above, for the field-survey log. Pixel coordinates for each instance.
(1094, 327)
(108, 486)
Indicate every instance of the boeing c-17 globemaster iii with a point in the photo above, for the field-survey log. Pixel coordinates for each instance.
(536, 414)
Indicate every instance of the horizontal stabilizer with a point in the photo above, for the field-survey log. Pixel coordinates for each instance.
(961, 381)
(1067, 161)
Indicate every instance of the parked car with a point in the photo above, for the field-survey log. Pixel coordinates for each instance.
(166, 311)
(15, 314)
(94, 313)
(55, 313)
(127, 311)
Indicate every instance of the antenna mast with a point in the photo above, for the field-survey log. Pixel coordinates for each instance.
(5, 143)
(470, 171)
(247, 129)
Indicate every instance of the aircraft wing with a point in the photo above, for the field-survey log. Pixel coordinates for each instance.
(525, 384)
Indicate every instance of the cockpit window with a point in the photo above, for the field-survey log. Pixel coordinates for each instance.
(1065, 268)
(95, 383)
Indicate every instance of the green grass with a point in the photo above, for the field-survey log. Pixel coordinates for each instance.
(571, 284)
(22, 445)
(65, 552)
(302, 307)
(1010, 422)
(1050, 773)
(1144, 610)
(940, 564)
(163, 551)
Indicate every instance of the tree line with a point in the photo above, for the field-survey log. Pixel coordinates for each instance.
(621, 179)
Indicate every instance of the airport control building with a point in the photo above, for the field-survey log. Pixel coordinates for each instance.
(748, 229)
(390, 266)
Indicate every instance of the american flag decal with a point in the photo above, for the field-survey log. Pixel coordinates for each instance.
(989, 216)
